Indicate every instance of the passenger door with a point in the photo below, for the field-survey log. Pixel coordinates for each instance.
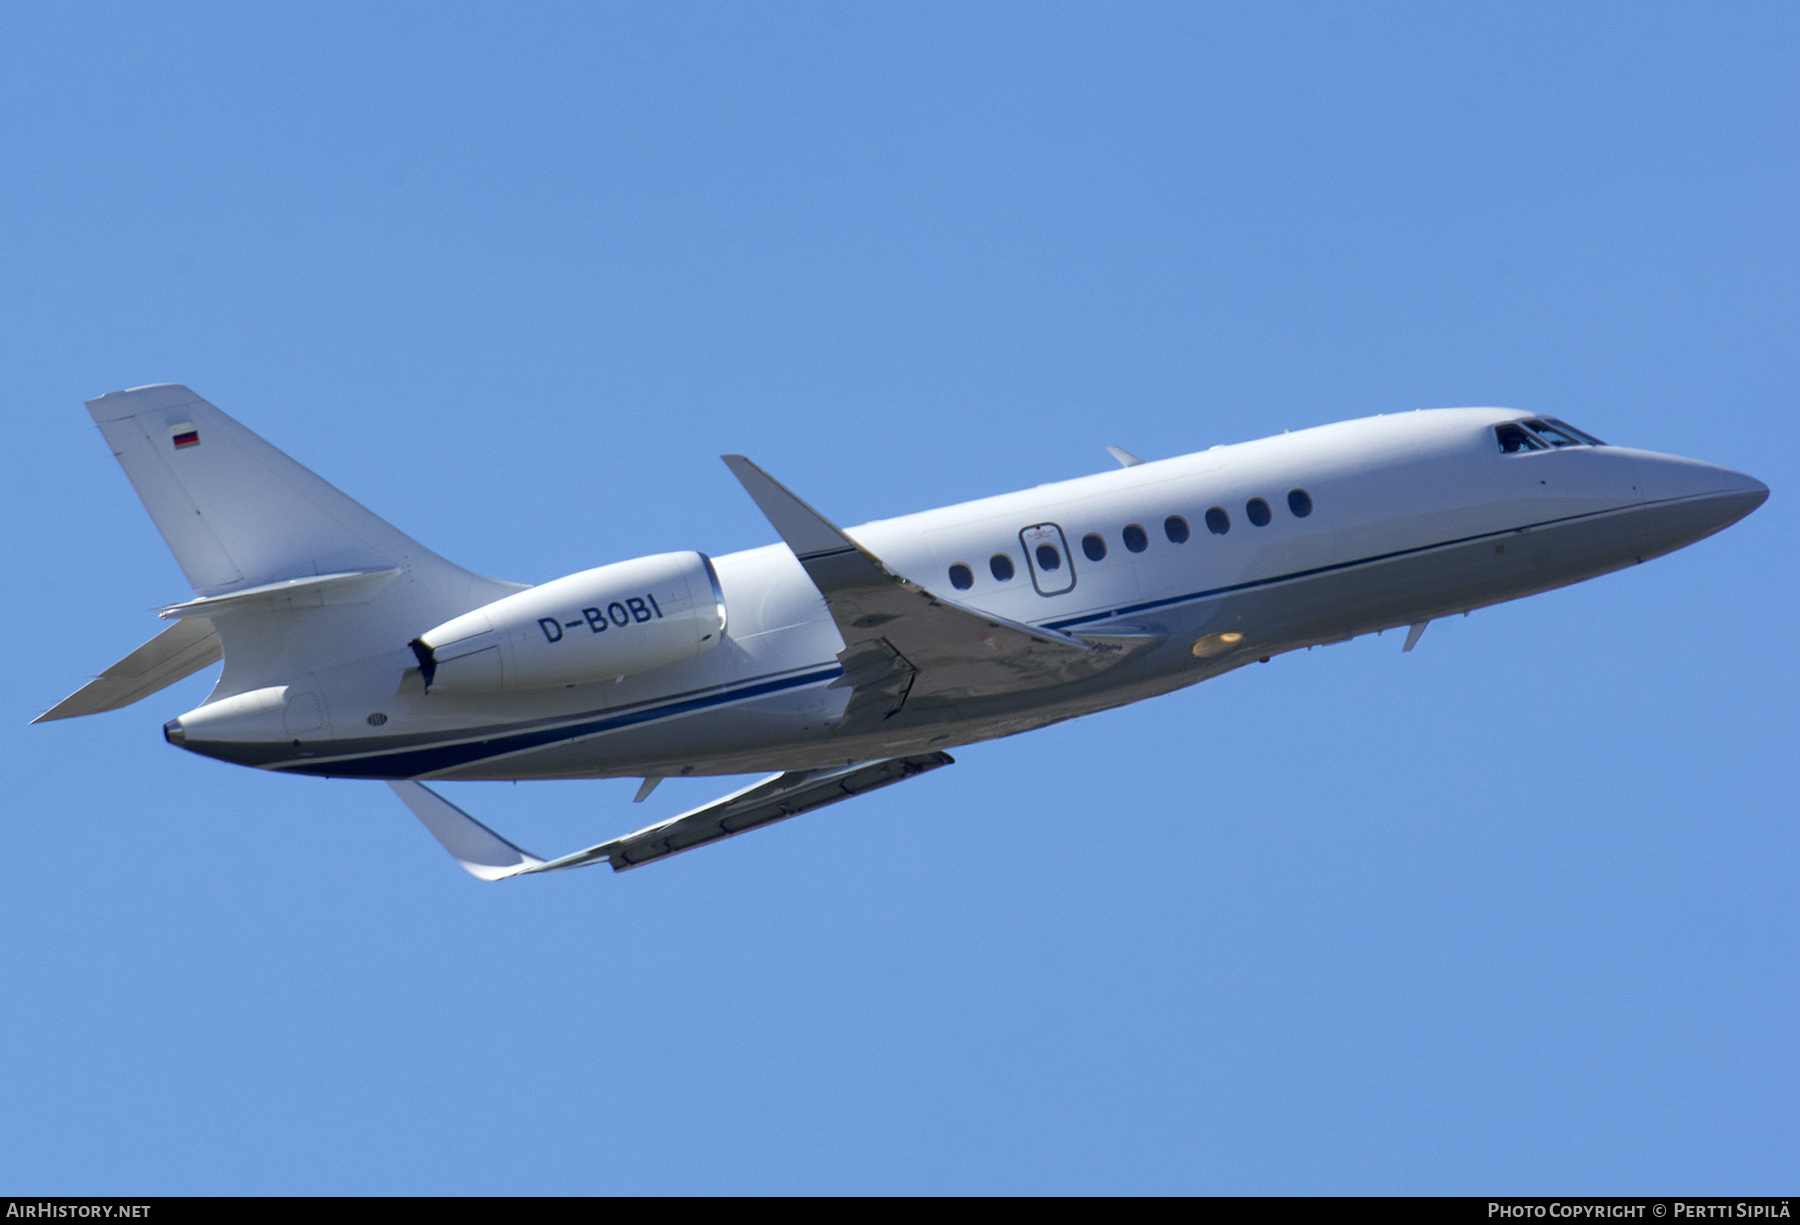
(1047, 554)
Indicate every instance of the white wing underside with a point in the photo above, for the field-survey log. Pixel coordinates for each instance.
(486, 854)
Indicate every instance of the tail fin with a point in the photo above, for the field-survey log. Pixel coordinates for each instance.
(235, 511)
(246, 521)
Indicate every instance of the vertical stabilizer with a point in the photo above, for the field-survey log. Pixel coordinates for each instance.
(246, 521)
(235, 511)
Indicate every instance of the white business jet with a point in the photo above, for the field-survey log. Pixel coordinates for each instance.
(844, 659)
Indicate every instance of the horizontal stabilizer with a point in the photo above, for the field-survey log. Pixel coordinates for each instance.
(476, 847)
(175, 654)
(313, 591)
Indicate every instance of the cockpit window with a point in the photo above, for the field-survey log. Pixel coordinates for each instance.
(1513, 439)
(1566, 428)
(1550, 434)
(1541, 433)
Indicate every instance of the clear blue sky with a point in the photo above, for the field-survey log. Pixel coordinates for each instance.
(1512, 913)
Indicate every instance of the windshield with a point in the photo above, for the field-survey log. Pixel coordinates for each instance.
(1541, 434)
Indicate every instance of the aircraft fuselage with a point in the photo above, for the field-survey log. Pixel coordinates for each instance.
(1222, 558)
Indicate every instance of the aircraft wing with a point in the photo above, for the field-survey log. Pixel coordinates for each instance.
(903, 643)
(491, 857)
(175, 654)
(773, 799)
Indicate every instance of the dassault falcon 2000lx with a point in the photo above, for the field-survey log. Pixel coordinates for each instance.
(843, 659)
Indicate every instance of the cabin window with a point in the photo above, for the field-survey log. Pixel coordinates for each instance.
(961, 577)
(1176, 529)
(1094, 545)
(1257, 511)
(1048, 558)
(1300, 503)
(1514, 439)
(1217, 521)
(1135, 538)
(1001, 567)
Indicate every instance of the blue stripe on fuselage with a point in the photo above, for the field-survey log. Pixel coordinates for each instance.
(415, 763)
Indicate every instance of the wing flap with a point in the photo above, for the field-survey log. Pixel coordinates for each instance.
(763, 803)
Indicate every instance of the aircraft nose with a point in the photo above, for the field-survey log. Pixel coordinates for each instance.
(1741, 495)
(1666, 477)
(1704, 497)
(1751, 487)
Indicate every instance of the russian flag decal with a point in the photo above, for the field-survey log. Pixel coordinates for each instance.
(184, 435)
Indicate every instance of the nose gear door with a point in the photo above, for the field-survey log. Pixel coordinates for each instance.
(1047, 553)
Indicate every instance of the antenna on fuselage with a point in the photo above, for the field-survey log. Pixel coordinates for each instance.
(1126, 458)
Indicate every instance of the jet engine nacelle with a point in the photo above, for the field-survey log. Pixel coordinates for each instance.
(597, 625)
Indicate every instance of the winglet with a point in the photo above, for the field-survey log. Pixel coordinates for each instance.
(477, 848)
(807, 532)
